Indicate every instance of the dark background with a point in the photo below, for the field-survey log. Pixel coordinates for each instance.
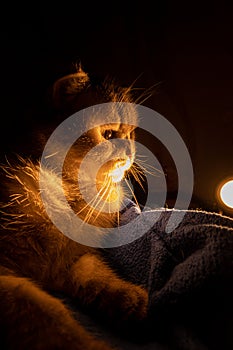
(185, 47)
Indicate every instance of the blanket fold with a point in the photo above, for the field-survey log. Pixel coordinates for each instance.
(189, 276)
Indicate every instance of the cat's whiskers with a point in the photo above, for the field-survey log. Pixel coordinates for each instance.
(108, 203)
(131, 190)
(147, 168)
(147, 93)
(139, 169)
(137, 175)
(110, 189)
(138, 172)
(97, 199)
(126, 91)
(91, 202)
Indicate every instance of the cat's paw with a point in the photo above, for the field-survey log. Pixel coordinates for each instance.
(127, 302)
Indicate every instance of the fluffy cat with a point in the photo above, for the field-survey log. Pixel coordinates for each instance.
(37, 260)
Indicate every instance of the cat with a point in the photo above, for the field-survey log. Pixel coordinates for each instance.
(37, 260)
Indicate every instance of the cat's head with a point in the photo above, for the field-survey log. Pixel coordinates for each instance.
(100, 147)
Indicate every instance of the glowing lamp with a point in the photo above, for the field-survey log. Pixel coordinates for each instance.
(225, 193)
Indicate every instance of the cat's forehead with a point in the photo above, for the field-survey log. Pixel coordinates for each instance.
(114, 116)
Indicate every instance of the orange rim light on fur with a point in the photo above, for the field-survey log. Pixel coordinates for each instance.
(118, 173)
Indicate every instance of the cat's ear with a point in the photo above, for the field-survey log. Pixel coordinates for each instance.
(65, 89)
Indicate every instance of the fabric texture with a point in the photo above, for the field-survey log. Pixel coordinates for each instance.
(189, 276)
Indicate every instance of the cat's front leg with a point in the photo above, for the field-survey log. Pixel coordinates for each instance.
(96, 285)
(32, 319)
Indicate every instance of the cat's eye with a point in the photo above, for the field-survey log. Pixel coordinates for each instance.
(108, 134)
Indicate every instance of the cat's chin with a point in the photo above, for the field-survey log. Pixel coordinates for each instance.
(101, 211)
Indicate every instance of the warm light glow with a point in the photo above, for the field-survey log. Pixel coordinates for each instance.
(118, 173)
(226, 194)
